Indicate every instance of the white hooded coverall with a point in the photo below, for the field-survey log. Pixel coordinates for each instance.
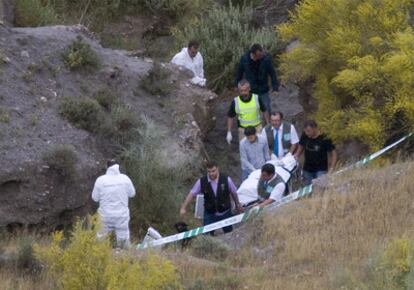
(112, 191)
(196, 65)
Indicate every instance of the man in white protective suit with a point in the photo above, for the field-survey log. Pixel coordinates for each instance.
(190, 58)
(112, 192)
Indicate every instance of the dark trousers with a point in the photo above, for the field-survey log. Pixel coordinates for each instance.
(210, 218)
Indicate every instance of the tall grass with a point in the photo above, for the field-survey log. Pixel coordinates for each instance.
(161, 173)
(327, 241)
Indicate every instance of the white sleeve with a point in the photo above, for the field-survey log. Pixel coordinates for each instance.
(294, 138)
(96, 191)
(130, 187)
(178, 59)
(277, 192)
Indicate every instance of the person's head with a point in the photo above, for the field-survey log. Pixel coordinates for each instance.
(310, 128)
(256, 52)
(244, 88)
(250, 133)
(111, 163)
(268, 171)
(212, 170)
(276, 119)
(193, 48)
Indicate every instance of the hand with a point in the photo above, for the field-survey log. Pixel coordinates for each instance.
(229, 137)
(183, 211)
(239, 208)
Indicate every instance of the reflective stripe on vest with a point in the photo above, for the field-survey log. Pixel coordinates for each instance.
(248, 113)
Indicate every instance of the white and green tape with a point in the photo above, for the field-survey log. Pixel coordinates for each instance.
(256, 210)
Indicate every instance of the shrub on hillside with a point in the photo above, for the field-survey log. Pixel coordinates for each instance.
(88, 263)
(62, 159)
(106, 99)
(361, 56)
(32, 13)
(84, 113)
(80, 54)
(225, 33)
(156, 82)
(210, 248)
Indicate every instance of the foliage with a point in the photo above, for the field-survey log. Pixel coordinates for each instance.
(390, 270)
(361, 55)
(156, 82)
(209, 247)
(161, 175)
(175, 8)
(80, 54)
(106, 99)
(225, 33)
(34, 13)
(62, 159)
(96, 13)
(85, 113)
(88, 263)
(25, 256)
(103, 115)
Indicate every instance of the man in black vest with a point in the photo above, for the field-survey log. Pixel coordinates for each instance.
(271, 187)
(218, 190)
(285, 134)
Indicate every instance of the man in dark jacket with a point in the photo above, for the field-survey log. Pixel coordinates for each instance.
(256, 67)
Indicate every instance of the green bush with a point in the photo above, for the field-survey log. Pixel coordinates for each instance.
(62, 159)
(156, 82)
(175, 8)
(209, 247)
(106, 99)
(103, 115)
(79, 54)
(84, 113)
(34, 13)
(361, 56)
(121, 127)
(225, 34)
(88, 263)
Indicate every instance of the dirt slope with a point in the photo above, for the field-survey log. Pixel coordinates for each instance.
(33, 82)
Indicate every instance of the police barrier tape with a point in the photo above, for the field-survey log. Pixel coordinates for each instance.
(256, 210)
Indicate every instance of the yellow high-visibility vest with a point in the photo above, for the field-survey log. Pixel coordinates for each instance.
(248, 113)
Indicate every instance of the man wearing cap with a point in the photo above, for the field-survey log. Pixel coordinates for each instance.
(112, 192)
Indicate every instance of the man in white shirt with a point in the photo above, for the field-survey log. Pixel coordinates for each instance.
(271, 187)
(190, 58)
(285, 134)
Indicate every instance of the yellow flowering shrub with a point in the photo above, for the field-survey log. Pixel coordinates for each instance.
(84, 262)
(361, 55)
